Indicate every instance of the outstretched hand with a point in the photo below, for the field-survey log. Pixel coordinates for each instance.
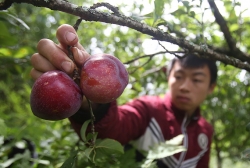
(53, 56)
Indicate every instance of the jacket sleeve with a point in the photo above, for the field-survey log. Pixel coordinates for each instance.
(123, 123)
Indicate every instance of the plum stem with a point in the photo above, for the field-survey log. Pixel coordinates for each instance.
(76, 76)
(92, 121)
(76, 25)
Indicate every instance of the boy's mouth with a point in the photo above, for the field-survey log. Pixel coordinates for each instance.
(183, 99)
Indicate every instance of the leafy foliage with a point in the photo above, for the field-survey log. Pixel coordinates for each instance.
(163, 150)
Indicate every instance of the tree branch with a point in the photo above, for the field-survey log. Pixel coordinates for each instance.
(144, 56)
(107, 5)
(89, 14)
(223, 25)
(227, 34)
(5, 4)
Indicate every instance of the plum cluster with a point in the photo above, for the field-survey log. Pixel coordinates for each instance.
(55, 96)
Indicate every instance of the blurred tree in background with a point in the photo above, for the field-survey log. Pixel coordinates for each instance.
(23, 25)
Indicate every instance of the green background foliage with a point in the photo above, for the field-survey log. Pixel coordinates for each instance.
(23, 25)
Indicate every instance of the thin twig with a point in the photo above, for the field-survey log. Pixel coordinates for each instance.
(92, 122)
(136, 68)
(76, 25)
(150, 55)
(236, 52)
(76, 78)
(174, 53)
(107, 5)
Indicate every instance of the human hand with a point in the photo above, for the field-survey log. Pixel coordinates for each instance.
(52, 56)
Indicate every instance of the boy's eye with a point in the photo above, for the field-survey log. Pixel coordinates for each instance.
(177, 77)
(197, 80)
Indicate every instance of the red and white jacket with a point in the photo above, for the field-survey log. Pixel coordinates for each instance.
(151, 119)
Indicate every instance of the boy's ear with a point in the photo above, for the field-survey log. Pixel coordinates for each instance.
(211, 88)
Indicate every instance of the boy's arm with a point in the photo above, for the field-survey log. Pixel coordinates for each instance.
(83, 113)
(122, 123)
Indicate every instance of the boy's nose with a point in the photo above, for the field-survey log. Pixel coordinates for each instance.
(186, 85)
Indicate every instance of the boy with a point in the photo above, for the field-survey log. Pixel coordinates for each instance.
(148, 119)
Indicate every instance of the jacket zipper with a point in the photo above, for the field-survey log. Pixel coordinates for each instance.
(185, 143)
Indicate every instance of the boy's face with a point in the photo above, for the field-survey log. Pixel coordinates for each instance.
(189, 87)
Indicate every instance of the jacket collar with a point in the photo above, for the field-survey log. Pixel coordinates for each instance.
(180, 114)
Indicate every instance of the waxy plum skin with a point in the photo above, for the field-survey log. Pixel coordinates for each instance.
(55, 96)
(103, 78)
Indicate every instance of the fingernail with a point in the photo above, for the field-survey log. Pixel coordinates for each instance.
(66, 66)
(70, 36)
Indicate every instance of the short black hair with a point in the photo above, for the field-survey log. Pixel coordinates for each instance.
(194, 61)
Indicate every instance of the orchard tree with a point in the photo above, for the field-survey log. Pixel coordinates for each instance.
(144, 37)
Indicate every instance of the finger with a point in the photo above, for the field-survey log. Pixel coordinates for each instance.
(40, 63)
(67, 36)
(54, 54)
(35, 74)
(80, 56)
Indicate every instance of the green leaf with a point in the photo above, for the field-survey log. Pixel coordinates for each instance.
(110, 145)
(163, 150)
(20, 21)
(5, 52)
(192, 14)
(91, 136)
(179, 12)
(167, 148)
(6, 39)
(22, 52)
(169, 25)
(88, 152)
(24, 157)
(176, 140)
(3, 127)
(83, 130)
(5, 16)
(138, 17)
(148, 15)
(185, 3)
(161, 22)
(11, 161)
(70, 162)
(159, 8)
